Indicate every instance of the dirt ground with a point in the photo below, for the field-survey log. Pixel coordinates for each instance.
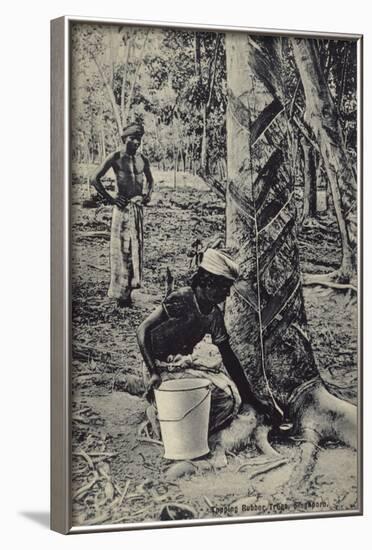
(119, 477)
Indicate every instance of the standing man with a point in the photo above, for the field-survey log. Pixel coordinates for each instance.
(126, 245)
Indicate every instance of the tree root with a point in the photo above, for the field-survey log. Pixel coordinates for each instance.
(251, 463)
(268, 468)
(86, 457)
(328, 280)
(262, 443)
(83, 490)
(150, 440)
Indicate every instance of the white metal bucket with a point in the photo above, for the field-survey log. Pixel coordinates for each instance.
(183, 408)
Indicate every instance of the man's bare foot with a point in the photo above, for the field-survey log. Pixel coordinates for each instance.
(125, 302)
(219, 459)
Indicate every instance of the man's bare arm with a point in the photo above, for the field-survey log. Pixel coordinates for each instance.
(96, 180)
(150, 181)
(144, 337)
(145, 344)
(235, 370)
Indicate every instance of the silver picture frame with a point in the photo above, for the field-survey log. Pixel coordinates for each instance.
(61, 306)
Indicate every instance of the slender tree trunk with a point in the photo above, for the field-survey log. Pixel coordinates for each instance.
(223, 170)
(88, 189)
(343, 76)
(130, 95)
(206, 107)
(86, 151)
(103, 144)
(125, 76)
(111, 57)
(192, 159)
(197, 54)
(203, 155)
(321, 115)
(323, 191)
(159, 141)
(102, 137)
(310, 188)
(222, 167)
(328, 58)
(187, 155)
(327, 196)
(111, 96)
(175, 155)
(198, 74)
(265, 313)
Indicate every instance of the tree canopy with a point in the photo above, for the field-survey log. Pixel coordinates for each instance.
(172, 81)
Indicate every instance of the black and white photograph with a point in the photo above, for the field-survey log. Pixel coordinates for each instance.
(215, 275)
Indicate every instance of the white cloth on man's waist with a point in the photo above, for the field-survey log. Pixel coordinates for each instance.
(126, 249)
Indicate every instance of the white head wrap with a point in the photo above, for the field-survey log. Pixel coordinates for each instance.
(219, 263)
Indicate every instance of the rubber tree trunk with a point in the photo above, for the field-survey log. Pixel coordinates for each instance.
(321, 115)
(310, 179)
(265, 313)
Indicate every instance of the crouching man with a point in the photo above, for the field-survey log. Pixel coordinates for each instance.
(168, 340)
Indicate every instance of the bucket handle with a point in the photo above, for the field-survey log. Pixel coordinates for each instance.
(188, 411)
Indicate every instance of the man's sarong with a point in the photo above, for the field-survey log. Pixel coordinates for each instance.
(126, 249)
(225, 398)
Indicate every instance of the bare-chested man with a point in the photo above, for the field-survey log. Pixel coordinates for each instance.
(126, 246)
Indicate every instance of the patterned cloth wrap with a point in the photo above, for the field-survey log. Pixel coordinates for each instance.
(126, 249)
(205, 362)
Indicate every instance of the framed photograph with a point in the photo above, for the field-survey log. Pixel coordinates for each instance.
(206, 275)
